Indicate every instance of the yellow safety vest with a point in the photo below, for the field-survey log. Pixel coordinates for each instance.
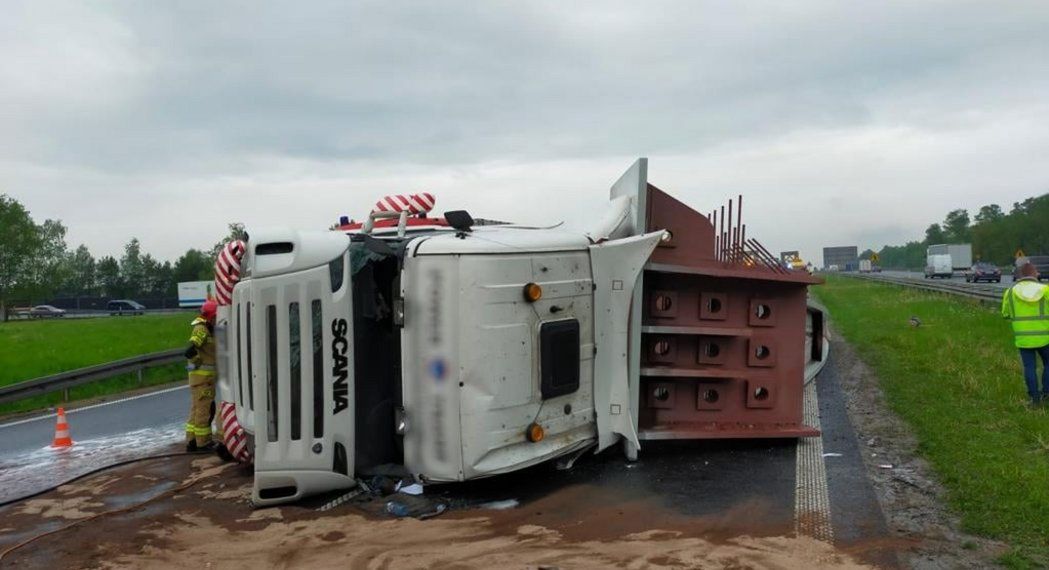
(1025, 305)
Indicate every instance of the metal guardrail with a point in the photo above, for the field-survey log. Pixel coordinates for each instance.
(22, 314)
(80, 376)
(974, 291)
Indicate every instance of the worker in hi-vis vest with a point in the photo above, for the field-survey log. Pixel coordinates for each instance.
(1025, 305)
(200, 355)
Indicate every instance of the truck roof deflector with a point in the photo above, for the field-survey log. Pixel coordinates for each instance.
(626, 213)
(616, 267)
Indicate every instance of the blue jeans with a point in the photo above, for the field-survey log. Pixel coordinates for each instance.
(1027, 356)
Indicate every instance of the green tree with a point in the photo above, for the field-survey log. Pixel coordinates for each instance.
(989, 213)
(158, 277)
(132, 268)
(956, 226)
(995, 235)
(908, 256)
(1020, 208)
(194, 265)
(50, 270)
(109, 279)
(934, 234)
(19, 243)
(81, 279)
(236, 231)
(167, 271)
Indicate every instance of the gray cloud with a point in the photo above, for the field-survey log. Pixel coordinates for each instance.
(863, 121)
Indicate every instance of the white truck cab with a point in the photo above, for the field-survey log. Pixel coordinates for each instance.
(450, 353)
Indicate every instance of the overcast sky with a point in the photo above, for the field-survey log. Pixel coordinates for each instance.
(840, 122)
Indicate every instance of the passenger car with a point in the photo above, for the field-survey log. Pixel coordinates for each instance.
(44, 311)
(983, 271)
(125, 307)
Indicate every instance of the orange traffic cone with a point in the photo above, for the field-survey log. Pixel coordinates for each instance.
(62, 438)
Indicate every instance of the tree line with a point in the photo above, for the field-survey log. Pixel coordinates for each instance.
(995, 235)
(36, 263)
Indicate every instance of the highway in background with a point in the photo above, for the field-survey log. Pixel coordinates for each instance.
(89, 314)
(959, 277)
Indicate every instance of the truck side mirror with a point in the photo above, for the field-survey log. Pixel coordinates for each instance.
(461, 220)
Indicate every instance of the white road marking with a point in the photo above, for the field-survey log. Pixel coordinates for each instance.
(51, 415)
(811, 496)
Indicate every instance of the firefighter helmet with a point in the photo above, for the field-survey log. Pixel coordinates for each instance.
(208, 309)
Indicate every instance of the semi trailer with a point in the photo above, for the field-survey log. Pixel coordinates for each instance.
(451, 350)
(961, 255)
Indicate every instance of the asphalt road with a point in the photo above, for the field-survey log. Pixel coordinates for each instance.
(735, 486)
(102, 434)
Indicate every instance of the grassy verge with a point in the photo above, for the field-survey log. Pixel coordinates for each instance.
(957, 381)
(31, 349)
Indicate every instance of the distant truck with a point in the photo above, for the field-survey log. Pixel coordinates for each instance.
(961, 255)
(192, 294)
(939, 265)
(866, 266)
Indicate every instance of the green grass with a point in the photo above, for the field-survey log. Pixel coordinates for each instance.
(31, 349)
(957, 381)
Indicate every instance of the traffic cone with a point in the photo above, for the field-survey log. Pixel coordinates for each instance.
(62, 438)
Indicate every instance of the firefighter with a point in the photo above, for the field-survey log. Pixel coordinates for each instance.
(201, 366)
(1025, 305)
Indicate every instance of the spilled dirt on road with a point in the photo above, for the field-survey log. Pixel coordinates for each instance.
(211, 524)
(353, 541)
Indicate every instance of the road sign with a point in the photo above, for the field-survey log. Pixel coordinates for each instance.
(874, 257)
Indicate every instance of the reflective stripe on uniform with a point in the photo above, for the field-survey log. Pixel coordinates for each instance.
(1041, 310)
(198, 430)
(1030, 323)
(198, 338)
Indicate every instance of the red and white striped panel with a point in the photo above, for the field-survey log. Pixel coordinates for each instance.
(227, 271)
(411, 203)
(233, 435)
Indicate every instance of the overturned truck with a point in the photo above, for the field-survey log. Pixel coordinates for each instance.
(456, 349)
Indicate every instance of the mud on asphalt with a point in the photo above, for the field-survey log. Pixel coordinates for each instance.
(683, 505)
(210, 523)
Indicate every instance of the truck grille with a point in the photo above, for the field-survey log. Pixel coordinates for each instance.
(274, 346)
(278, 379)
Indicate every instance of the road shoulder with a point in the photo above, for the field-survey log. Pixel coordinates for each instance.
(913, 501)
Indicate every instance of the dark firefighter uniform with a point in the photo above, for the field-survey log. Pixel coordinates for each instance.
(201, 366)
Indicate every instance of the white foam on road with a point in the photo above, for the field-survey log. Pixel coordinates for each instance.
(32, 471)
(51, 415)
(811, 494)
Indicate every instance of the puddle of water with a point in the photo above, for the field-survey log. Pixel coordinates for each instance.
(34, 471)
(126, 499)
(21, 534)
